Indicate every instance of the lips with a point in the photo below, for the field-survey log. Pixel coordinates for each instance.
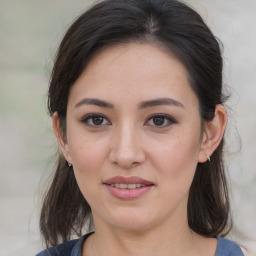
(128, 180)
(128, 188)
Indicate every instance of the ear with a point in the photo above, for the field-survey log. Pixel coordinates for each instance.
(60, 137)
(213, 133)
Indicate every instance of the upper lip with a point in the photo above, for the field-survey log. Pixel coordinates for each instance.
(128, 180)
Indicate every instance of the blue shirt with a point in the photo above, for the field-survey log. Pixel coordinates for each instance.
(73, 248)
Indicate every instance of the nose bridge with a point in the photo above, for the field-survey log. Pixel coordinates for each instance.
(126, 145)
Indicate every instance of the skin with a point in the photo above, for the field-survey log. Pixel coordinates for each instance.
(127, 141)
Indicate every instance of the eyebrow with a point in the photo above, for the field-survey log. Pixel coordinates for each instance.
(144, 104)
(97, 102)
(159, 102)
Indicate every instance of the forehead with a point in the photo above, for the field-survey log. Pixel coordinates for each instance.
(133, 70)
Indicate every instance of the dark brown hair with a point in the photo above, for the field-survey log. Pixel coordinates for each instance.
(182, 31)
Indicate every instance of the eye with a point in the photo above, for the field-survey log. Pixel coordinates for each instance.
(96, 120)
(160, 120)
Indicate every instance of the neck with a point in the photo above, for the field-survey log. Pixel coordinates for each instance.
(174, 240)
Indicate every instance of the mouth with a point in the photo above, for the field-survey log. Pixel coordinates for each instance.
(128, 188)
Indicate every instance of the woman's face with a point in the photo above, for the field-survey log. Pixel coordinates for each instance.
(133, 136)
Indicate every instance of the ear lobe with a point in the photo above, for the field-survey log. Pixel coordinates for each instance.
(60, 137)
(213, 133)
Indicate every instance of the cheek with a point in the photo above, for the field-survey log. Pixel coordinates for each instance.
(88, 154)
(177, 159)
(88, 160)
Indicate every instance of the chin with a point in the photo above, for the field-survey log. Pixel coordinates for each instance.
(131, 220)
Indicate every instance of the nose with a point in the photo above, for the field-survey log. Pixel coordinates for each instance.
(126, 147)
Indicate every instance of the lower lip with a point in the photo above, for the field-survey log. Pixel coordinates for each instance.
(128, 194)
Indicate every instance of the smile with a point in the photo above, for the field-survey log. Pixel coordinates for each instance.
(127, 186)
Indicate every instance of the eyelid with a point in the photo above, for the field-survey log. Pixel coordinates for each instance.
(170, 119)
(87, 117)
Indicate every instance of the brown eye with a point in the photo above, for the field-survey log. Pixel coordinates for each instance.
(95, 120)
(160, 121)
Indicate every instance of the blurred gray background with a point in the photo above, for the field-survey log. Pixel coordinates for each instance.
(30, 31)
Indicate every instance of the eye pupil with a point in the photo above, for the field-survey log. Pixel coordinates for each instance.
(97, 120)
(158, 120)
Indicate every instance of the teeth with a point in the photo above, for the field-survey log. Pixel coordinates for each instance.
(132, 186)
(127, 186)
(123, 185)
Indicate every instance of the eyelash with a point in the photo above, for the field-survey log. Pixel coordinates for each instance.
(166, 118)
(89, 118)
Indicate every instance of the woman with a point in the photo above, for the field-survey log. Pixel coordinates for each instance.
(137, 108)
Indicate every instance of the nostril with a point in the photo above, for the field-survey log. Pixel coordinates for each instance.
(125, 164)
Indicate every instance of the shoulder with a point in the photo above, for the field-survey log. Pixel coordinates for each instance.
(70, 248)
(228, 248)
(63, 249)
